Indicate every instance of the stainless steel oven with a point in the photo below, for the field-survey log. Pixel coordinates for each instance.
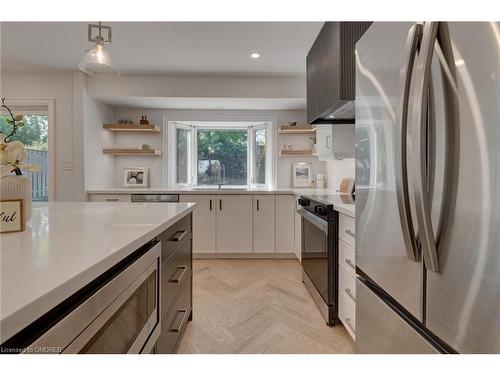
(120, 316)
(319, 255)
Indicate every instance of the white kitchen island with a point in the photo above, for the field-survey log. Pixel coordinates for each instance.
(68, 245)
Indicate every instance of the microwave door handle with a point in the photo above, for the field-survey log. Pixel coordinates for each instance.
(402, 191)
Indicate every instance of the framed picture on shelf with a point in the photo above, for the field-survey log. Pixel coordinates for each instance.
(302, 174)
(136, 177)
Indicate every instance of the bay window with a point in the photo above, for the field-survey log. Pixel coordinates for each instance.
(227, 154)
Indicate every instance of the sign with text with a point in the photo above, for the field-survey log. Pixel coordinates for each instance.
(11, 215)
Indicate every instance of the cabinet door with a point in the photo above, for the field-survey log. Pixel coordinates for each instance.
(203, 222)
(234, 224)
(285, 223)
(298, 232)
(324, 140)
(264, 217)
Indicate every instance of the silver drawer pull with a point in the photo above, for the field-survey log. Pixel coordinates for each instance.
(178, 279)
(178, 236)
(348, 291)
(348, 321)
(349, 263)
(182, 321)
(350, 233)
(111, 199)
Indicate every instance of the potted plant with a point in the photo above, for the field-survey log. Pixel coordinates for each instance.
(13, 157)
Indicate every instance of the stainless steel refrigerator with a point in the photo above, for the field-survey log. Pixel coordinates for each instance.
(428, 188)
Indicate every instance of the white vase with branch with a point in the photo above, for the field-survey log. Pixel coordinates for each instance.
(13, 157)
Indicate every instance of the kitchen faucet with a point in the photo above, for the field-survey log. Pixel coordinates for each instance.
(220, 172)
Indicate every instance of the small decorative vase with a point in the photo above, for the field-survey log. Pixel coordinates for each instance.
(17, 187)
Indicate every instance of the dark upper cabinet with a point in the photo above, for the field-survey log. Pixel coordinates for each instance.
(330, 71)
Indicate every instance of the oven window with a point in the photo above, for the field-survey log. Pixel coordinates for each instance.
(315, 256)
(121, 331)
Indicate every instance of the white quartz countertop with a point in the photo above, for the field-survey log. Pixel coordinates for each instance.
(323, 195)
(193, 190)
(67, 245)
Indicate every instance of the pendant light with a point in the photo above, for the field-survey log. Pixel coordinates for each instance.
(97, 61)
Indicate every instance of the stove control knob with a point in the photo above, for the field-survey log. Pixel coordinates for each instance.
(304, 202)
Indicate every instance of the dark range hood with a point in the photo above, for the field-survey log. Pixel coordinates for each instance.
(331, 82)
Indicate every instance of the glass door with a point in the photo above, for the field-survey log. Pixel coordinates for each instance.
(315, 256)
(34, 135)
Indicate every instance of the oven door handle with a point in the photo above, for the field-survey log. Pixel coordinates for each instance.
(313, 219)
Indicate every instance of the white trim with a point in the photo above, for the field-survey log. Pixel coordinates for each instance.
(250, 127)
(48, 106)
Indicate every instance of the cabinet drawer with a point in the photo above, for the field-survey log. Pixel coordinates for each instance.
(173, 326)
(110, 198)
(347, 229)
(347, 258)
(174, 272)
(174, 236)
(347, 284)
(347, 315)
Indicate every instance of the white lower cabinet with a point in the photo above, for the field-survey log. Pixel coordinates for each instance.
(234, 224)
(204, 218)
(347, 274)
(110, 198)
(298, 231)
(285, 223)
(264, 213)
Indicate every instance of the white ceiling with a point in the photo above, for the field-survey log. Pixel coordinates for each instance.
(164, 47)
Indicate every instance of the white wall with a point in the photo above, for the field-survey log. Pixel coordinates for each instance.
(68, 176)
(158, 165)
(338, 169)
(99, 168)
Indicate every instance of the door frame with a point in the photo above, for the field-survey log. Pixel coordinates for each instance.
(47, 105)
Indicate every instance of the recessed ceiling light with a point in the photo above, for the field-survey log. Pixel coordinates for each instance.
(255, 55)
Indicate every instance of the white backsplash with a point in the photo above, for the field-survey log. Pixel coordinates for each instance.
(338, 169)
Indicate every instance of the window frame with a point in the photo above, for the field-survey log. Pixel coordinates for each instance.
(249, 126)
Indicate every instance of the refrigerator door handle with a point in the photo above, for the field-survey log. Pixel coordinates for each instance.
(434, 32)
(402, 191)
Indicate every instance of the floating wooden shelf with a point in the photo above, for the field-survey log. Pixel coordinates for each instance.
(131, 152)
(286, 129)
(296, 153)
(143, 128)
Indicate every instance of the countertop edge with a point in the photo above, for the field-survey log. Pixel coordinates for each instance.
(20, 319)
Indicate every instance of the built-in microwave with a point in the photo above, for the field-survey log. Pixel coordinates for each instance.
(120, 316)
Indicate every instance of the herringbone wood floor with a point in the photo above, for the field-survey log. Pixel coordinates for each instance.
(257, 306)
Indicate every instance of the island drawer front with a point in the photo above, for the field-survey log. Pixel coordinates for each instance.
(173, 274)
(347, 230)
(175, 323)
(174, 237)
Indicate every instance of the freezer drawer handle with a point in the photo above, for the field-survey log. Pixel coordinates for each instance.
(178, 279)
(349, 263)
(112, 199)
(348, 291)
(179, 236)
(182, 321)
(349, 323)
(350, 233)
